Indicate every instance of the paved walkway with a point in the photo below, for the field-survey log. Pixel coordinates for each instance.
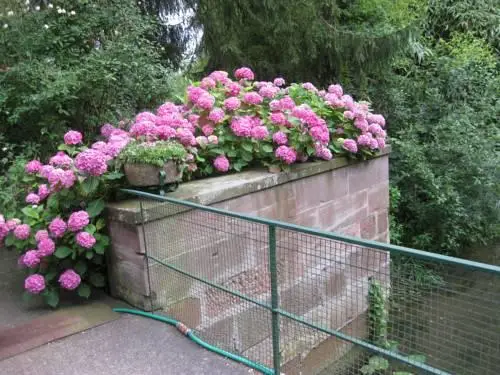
(129, 345)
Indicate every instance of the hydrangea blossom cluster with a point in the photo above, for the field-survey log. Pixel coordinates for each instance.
(70, 280)
(225, 124)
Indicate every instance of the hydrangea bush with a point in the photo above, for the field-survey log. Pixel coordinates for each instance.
(224, 125)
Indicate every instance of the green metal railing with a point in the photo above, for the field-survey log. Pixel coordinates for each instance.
(301, 300)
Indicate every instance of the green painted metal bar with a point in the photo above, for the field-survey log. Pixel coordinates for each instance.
(375, 349)
(216, 286)
(273, 270)
(393, 249)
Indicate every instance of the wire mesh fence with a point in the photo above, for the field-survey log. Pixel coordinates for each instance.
(301, 301)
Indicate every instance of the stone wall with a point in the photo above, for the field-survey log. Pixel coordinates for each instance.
(321, 280)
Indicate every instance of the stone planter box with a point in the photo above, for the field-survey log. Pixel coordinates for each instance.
(143, 175)
(318, 278)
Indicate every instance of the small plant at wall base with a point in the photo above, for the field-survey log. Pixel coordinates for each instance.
(378, 315)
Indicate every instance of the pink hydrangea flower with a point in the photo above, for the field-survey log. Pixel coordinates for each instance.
(252, 98)
(348, 102)
(186, 137)
(221, 163)
(242, 126)
(213, 139)
(46, 247)
(85, 240)
(32, 198)
(145, 116)
(287, 154)
(78, 220)
(12, 223)
(206, 101)
(33, 167)
(233, 88)
(166, 132)
(260, 132)
(376, 119)
(46, 170)
(144, 129)
(91, 162)
(202, 141)
(321, 151)
(350, 145)
(364, 140)
(69, 280)
(381, 143)
(320, 133)
(232, 104)
(275, 105)
(220, 76)
(106, 130)
(268, 91)
(22, 231)
(73, 137)
(57, 227)
(361, 124)
(61, 178)
(287, 103)
(309, 86)
(349, 115)
(279, 82)
(31, 259)
(61, 159)
(4, 231)
(336, 90)
(208, 83)
(375, 129)
(35, 284)
(194, 93)
(244, 73)
(207, 130)
(216, 115)
(280, 138)
(278, 118)
(41, 235)
(373, 144)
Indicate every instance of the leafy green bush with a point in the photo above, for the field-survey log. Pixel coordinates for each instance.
(75, 64)
(444, 124)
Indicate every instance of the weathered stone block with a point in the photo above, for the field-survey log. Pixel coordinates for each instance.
(368, 227)
(366, 174)
(188, 311)
(303, 296)
(221, 334)
(382, 222)
(253, 326)
(378, 197)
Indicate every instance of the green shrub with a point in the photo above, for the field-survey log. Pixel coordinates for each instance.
(92, 64)
(444, 124)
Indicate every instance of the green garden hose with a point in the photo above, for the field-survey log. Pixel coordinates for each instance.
(189, 333)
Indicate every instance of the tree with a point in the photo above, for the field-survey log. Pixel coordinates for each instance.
(76, 63)
(304, 40)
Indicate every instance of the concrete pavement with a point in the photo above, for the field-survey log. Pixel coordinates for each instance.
(129, 345)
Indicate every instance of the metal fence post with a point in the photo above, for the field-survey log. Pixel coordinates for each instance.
(274, 299)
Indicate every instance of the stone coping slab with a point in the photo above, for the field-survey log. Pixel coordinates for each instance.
(212, 190)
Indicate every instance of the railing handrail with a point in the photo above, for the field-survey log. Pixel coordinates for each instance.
(393, 249)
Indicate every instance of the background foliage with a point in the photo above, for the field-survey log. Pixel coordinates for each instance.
(96, 62)
(430, 66)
